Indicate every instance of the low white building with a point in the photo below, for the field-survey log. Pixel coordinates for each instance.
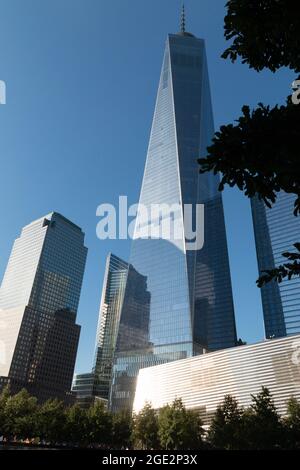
(203, 381)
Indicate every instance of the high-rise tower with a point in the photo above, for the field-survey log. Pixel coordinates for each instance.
(178, 301)
(96, 384)
(276, 230)
(108, 325)
(39, 298)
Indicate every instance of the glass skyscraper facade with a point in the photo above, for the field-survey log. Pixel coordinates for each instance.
(109, 319)
(96, 384)
(46, 266)
(178, 301)
(276, 230)
(39, 299)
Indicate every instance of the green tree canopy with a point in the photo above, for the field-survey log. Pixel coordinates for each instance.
(76, 425)
(99, 425)
(179, 428)
(19, 415)
(122, 430)
(262, 426)
(226, 430)
(145, 432)
(173, 427)
(4, 396)
(292, 423)
(50, 421)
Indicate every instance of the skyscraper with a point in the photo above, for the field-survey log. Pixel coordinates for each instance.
(182, 303)
(39, 298)
(96, 384)
(108, 325)
(276, 230)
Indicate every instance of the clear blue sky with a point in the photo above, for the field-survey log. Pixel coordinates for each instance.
(81, 80)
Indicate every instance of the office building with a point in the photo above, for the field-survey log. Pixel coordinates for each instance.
(182, 304)
(96, 384)
(39, 299)
(276, 230)
(85, 390)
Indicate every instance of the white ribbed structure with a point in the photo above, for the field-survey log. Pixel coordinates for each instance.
(203, 381)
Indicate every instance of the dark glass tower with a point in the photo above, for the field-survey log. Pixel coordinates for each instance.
(39, 299)
(178, 302)
(276, 230)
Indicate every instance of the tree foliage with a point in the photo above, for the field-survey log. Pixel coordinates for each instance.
(292, 423)
(145, 432)
(255, 428)
(76, 425)
(173, 427)
(99, 428)
(4, 396)
(179, 428)
(122, 429)
(226, 430)
(19, 412)
(259, 154)
(264, 33)
(263, 428)
(51, 421)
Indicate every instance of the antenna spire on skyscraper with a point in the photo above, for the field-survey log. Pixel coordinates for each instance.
(182, 21)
